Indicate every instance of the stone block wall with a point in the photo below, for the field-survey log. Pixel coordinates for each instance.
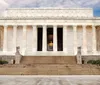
(10, 58)
(91, 57)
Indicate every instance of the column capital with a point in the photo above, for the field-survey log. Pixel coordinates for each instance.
(84, 26)
(55, 26)
(34, 26)
(14, 26)
(64, 26)
(5, 26)
(44, 26)
(93, 26)
(24, 26)
(74, 25)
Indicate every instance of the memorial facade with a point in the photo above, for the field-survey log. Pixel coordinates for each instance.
(49, 31)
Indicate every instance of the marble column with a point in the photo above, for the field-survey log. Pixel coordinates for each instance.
(75, 39)
(65, 38)
(5, 39)
(44, 43)
(24, 39)
(14, 37)
(34, 38)
(84, 40)
(94, 39)
(54, 38)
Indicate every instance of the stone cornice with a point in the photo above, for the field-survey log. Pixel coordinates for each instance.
(49, 18)
(37, 13)
(49, 8)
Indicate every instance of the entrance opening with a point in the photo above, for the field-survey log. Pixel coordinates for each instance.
(39, 38)
(60, 39)
(50, 39)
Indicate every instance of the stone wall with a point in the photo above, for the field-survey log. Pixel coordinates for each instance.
(91, 57)
(9, 58)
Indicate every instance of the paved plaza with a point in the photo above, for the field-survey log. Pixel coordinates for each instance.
(50, 80)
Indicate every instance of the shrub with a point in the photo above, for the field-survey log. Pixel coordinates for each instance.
(96, 62)
(91, 62)
(3, 62)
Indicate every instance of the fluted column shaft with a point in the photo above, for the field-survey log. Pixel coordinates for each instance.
(65, 38)
(84, 40)
(75, 39)
(55, 38)
(14, 37)
(44, 44)
(5, 39)
(94, 39)
(34, 45)
(24, 39)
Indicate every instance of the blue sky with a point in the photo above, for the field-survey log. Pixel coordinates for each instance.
(95, 4)
(97, 12)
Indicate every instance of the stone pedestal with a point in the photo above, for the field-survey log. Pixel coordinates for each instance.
(11, 61)
(17, 56)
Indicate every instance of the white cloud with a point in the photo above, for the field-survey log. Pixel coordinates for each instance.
(3, 5)
(48, 3)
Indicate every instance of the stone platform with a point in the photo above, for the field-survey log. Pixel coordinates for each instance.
(50, 80)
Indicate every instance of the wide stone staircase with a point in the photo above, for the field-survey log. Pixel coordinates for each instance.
(49, 69)
(49, 65)
(48, 60)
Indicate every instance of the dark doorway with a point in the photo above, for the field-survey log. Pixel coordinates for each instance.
(39, 38)
(60, 39)
(50, 39)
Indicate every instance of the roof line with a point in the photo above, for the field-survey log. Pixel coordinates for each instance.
(49, 8)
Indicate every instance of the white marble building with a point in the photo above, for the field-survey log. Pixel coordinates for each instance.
(35, 29)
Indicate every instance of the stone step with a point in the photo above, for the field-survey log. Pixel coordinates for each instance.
(48, 59)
